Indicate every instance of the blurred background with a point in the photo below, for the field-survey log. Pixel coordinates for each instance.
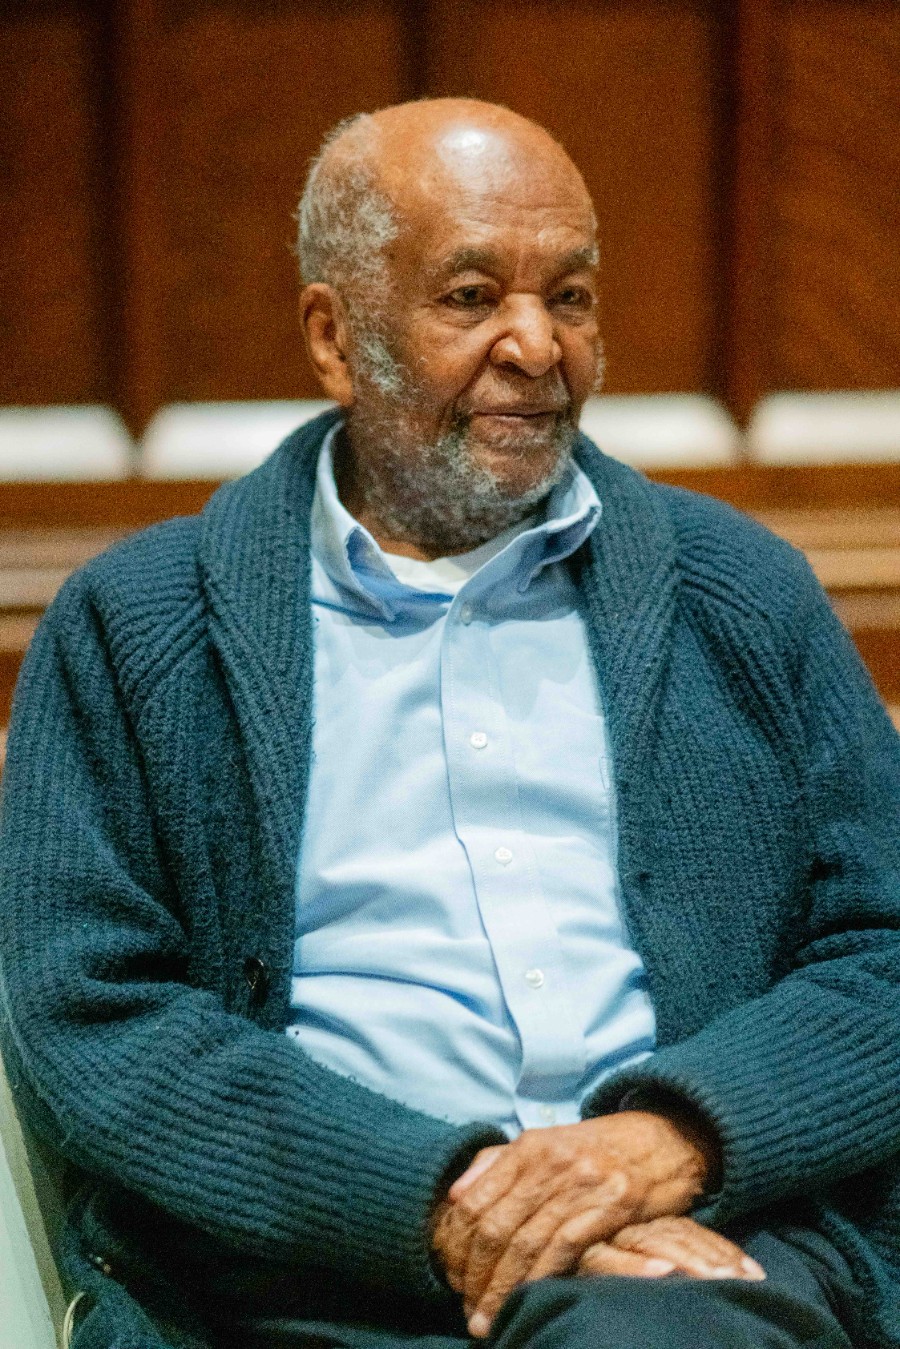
(744, 156)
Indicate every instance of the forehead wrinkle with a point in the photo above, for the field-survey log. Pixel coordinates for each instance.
(509, 194)
(474, 259)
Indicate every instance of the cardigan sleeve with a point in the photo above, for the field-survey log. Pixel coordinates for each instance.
(800, 1084)
(142, 1079)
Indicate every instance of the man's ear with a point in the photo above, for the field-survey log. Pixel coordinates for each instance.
(326, 332)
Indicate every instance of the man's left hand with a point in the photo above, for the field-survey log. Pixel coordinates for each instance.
(531, 1208)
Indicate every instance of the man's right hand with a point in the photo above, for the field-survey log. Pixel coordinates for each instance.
(669, 1246)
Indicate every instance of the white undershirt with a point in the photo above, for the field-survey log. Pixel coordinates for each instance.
(445, 575)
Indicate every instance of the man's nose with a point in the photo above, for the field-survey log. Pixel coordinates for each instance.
(528, 340)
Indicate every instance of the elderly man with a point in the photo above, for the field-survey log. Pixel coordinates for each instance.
(452, 887)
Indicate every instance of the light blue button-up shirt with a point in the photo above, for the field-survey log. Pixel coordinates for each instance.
(460, 943)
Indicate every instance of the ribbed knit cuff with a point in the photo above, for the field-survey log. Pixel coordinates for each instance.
(779, 1081)
(683, 1113)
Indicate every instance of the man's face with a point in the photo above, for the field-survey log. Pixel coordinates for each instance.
(490, 314)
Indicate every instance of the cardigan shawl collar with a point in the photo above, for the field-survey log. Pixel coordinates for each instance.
(255, 567)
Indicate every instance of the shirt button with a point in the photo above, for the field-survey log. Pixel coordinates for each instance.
(547, 1114)
(465, 613)
(503, 856)
(534, 978)
(478, 739)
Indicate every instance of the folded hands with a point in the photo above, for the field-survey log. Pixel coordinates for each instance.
(604, 1196)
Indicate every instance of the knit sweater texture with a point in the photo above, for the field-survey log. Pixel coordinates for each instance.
(152, 810)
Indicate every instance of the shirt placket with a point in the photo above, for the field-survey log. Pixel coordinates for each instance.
(488, 821)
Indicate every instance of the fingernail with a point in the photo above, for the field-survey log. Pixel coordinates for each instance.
(656, 1268)
(479, 1326)
(752, 1268)
(724, 1272)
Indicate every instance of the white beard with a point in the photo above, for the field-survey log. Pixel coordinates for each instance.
(444, 499)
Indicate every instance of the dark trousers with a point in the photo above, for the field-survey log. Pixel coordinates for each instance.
(806, 1299)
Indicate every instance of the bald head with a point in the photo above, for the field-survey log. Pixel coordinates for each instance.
(377, 172)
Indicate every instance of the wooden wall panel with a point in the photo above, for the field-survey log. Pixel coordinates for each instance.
(746, 279)
(629, 89)
(744, 158)
(226, 104)
(836, 208)
(52, 339)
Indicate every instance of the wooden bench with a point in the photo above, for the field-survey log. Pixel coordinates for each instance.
(855, 553)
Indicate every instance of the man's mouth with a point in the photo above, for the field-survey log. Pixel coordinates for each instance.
(517, 413)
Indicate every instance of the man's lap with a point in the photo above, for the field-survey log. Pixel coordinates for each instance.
(803, 1301)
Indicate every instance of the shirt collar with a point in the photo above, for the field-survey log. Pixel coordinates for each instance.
(571, 514)
(356, 565)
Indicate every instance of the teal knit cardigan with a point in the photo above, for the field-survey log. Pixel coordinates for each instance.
(153, 801)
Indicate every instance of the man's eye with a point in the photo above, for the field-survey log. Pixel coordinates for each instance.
(574, 297)
(468, 297)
